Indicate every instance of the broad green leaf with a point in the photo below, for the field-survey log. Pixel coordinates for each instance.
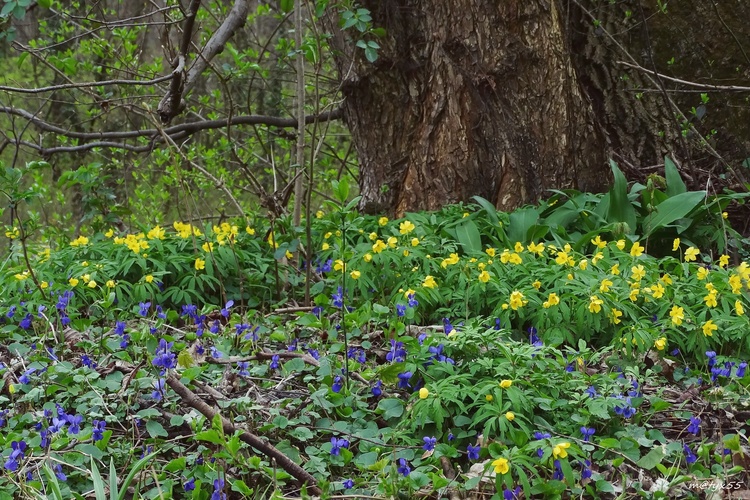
(391, 407)
(212, 436)
(672, 209)
(651, 459)
(468, 235)
(620, 207)
(155, 429)
(489, 209)
(521, 221)
(675, 184)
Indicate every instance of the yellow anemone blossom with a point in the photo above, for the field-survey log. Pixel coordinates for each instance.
(536, 248)
(415, 242)
(73, 282)
(710, 299)
(518, 247)
(148, 278)
(453, 259)
(484, 276)
(738, 307)
(505, 383)
(199, 264)
(79, 242)
(615, 270)
(636, 250)
(156, 233)
(429, 282)
(709, 328)
(660, 343)
(501, 465)
(675, 244)
(620, 244)
(595, 304)
(383, 221)
(339, 265)
(537, 284)
(702, 273)
(491, 252)
(615, 316)
(423, 393)
(638, 272)
(552, 300)
(392, 242)
(488, 397)
(355, 275)
(325, 247)
(691, 254)
(723, 261)
(599, 242)
(367, 257)
(406, 227)
(91, 284)
(510, 416)
(249, 230)
(559, 450)
(319, 214)
(516, 300)
(604, 286)
(596, 258)
(379, 246)
(677, 314)
(111, 284)
(373, 236)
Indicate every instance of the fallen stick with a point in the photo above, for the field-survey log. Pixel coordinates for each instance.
(256, 442)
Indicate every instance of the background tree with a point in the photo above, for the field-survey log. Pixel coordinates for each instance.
(444, 100)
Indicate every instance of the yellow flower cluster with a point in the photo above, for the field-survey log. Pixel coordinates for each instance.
(186, 230)
(156, 233)
(135, 242)
(225, 232)
(80, 241)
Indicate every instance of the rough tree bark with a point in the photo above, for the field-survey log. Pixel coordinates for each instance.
(503, 99)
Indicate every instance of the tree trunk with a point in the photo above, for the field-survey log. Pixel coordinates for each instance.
(506, 99)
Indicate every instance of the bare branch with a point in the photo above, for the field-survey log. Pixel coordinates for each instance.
(702, 86)
(82, 85)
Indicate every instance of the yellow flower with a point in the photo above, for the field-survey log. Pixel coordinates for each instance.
(73, 282)
(660, 343)
(598, 242)
(249, 230)
(516, 300)
(691, 254)
(615, 316)
(319, 214)
(44, 285)
(325, 247)
(383, 221)
(677, 314)
(86, 278)
(415, 242)
(675, 244)
(615, 270)
(562, 258)
(638, 272)
(604, 287)
(156, 233)
(373, 236)
(657, 291)
(339, 265)
(484, 276)
(488, 397)
(110, 232)
(536, 248)
(710, 299)
(552, 300)
(595, 304)
(84, 264)
(515, 258)
(596, 258)
(111, 284)
(367, 257)
(724, 215)
(702, 273)
(355, 275)
(636, 250)
(559, 451)
(392, 242)
(736, 283)
(634, 294)
(14, 233)
(200, 264)
(620, 244)
(510, 416)
(408, 292)
(379, 246)
(272, 241)
(466, 214)
(518, 247)
(583, 264)
(423, 393)
(739, 308)
(406, 227)
(453, 259)
(537, 284)
(709, 328)
(91, 284)
(501, 465)
(570, 276)
(723, 260)
(505, 383)
(666, 279)
(208, 246)
(80, 241)
(491, 252)
(429, 282)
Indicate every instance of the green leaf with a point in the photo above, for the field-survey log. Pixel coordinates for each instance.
(175, 465)
(520, 222)
(489, 209)
(620, 207)
(286, 5)
(651, 459)
(212, 436)
(675, 185)
(140, 464)
(468, 235)
(155, 429)
(113, 480)
(52, 482)
(391, 407)
(672, 209)
(96, 478)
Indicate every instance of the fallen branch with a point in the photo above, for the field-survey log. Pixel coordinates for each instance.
(256, 442)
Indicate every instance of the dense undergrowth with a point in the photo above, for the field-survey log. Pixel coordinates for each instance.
(592, 345)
